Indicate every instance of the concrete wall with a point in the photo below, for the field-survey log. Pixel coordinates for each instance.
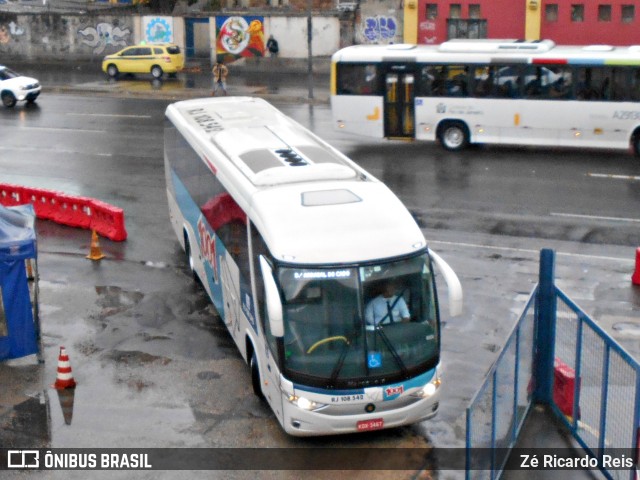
(69, 37)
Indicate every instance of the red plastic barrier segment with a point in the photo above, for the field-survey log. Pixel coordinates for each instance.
(73, 211)
(563, 386)
(45, 202)
(108, 221)
(10, 195)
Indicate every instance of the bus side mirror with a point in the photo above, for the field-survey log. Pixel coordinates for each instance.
(272, 299)
(453, 284)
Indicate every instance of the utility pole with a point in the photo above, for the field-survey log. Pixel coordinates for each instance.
(309, 49)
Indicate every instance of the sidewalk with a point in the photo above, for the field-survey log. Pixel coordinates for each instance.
(274, 82)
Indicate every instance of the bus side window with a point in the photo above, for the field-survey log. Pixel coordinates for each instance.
(584, 85)
(439, 86)
(634, 84)
(506, 82)
(482, 82)
(357, 79)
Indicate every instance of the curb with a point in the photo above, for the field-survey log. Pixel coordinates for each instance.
(181, 94)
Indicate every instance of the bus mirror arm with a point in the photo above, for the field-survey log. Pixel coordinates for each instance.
(272, 299)
(453, 284)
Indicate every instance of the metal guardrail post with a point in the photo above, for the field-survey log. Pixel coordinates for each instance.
(545, 328)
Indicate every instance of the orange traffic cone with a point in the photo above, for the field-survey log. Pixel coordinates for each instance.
(64, 378)
(95, 253)
(635, 278)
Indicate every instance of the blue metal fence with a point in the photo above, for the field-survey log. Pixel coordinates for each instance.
(556, 355)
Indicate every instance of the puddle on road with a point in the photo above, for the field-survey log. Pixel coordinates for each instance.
(115, 300)
(137, 358)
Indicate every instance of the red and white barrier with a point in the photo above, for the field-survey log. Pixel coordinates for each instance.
(74, 211)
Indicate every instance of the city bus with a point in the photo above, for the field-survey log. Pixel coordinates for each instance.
(465, 92)
(292, 240)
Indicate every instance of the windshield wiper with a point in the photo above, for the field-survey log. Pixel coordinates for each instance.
(394, 353)
(340, 363)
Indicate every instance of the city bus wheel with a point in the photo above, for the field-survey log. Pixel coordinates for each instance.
(635, 143)
(255, 376)
(190, 262)
(454, 136)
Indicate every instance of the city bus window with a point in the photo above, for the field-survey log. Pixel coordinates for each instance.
(506, 82)
(584, 85)
(601, 82)
(358, 79)
(619, 84)
(482, 81)
(559, 81)
(634, 84)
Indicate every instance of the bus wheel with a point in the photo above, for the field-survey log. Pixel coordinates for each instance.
(190, 262)
(454, 136)
(255, 377)
(635, 143)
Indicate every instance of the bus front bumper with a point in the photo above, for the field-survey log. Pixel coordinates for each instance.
(298, 422)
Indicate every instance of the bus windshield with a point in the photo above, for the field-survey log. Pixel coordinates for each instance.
(359, 326)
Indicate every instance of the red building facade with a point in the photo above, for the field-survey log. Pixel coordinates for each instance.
(568, 22)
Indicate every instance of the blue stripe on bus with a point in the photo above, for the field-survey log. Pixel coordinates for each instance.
(586, 61)
(415, 382)
(192, 214)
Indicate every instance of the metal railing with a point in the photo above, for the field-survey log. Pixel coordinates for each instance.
(556, 355)
(498, 410)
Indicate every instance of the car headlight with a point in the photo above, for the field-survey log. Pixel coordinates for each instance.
(305, 404)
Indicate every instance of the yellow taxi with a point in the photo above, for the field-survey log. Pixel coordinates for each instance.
(156, 59)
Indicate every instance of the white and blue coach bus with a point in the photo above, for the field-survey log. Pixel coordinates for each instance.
(292, 240)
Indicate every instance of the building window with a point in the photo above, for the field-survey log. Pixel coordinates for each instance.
(604, 13)
(455, 10)
(474, 10)
(432, 11)
(577, 13)
(551, 12)
(628, 13)
(472, 28)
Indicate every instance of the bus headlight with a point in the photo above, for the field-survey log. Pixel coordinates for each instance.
(305, 404)
(429, 389)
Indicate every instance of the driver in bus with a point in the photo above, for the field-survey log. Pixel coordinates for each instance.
(387, 307)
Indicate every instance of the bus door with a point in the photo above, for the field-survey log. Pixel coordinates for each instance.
(399, 114)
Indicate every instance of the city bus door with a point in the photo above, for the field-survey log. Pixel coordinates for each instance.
(399, 114)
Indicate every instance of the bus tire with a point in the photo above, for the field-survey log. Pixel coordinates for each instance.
(454, 136)
(635, 142)
(255, 376)
(190, 262)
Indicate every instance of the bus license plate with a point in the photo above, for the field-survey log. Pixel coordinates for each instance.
(373, 424)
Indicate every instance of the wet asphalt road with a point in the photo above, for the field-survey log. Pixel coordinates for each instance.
(155, 366)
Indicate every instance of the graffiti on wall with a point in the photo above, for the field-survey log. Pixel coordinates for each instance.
(427, 32)
(379, 29)
(104, 35)
(158, 29)
(239, 37)
(10, 31)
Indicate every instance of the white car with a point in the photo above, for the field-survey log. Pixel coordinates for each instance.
(15, 88)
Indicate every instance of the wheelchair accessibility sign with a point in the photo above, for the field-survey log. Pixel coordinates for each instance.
(374, 360)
